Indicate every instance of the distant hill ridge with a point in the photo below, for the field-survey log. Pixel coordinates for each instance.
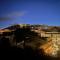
(34, 26)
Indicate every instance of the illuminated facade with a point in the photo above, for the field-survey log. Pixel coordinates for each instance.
(53, 43)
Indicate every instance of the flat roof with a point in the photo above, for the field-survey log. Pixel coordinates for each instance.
(53, 32)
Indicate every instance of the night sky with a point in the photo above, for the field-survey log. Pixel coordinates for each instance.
(29, 12)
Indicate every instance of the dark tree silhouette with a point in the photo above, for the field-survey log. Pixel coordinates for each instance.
(4, 42)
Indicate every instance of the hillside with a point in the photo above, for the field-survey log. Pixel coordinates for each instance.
(22, 39)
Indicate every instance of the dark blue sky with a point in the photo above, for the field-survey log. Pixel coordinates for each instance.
(30, 12)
